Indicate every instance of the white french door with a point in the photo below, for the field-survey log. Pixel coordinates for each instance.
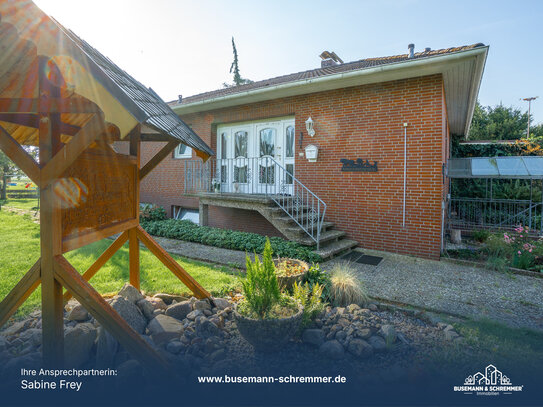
(248, 153)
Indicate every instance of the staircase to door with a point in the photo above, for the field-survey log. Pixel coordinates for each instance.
(298, 213)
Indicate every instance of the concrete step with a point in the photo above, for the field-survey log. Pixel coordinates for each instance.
(331, 235)
(332, 249)
(295, 229)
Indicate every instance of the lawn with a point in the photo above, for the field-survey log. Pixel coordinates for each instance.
(20, 203)
(19, 249)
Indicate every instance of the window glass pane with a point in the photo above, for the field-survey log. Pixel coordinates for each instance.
(289, 173)
(240, 174)
(290, 142)
(182, 151)
(267, 142)
(240, 140)
(223, 145)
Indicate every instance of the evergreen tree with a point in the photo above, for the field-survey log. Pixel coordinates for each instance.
(498, 123)
(234, 68)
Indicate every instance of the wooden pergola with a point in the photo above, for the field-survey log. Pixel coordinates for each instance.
(63, 96)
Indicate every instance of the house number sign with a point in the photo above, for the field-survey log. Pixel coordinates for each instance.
(358, 165)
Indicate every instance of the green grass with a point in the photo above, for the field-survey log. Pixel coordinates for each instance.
(517, 350)
(19, 250)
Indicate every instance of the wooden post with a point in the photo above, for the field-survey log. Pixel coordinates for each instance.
(133, 243)
(50, 235)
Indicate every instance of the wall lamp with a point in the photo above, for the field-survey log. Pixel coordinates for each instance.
(309, 126)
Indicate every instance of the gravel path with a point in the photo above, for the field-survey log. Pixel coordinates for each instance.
(438, 285)
(515, 300)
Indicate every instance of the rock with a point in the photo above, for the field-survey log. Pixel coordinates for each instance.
(106, 348)
(353, 307)
(130, 312)
(388, 332)
(341, 335)
(78, 343)
(207, 312)
(146, 308)
(363, 333)
(377, 343)
(402, 338)
(372, 307)
(158, 312)
(451, 335)
(180, 310)
(332, 350)
(360, 348)
(221, 303)
(131, 293)
(218, 355)
(175, 347)
(194, 314)
(448, 328)
(78, 313)
(202, 305)
(313, 336)
(157, 303)
(3, 344)
(164, 328)
(16, 328)
(207, 329)
(168, 298)
(442, 325)
(344, 322)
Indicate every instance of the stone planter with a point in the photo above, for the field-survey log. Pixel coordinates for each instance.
(287, 282)
(268, 335)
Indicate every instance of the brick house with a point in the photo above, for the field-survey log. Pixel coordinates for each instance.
(380, 128)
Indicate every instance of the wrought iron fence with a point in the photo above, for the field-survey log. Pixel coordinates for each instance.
(262, 175)
(474, 213)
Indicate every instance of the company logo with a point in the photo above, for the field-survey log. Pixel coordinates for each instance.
(490, 383)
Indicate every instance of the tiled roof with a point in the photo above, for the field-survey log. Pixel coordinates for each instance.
(159, 115)
(319, 72)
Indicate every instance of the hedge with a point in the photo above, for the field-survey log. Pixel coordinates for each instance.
(227, 239)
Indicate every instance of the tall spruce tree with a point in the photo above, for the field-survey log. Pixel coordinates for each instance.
(234, 68)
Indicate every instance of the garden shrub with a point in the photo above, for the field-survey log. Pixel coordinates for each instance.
(316, 276)
(311, 300)
(151, 212)
(346, 288)
(228, 239)
(481, 235)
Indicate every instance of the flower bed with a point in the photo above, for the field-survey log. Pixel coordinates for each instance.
(517, 249)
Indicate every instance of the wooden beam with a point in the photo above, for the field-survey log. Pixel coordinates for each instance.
(20, 293)
(108, 317)
(19, 156)
(103, 259)
(73, 242)
(92, 130)
(169, 262)
(48, 105)
(50, 242)
(162, 154)
(32, 121)
(155, 137)
(134, 257)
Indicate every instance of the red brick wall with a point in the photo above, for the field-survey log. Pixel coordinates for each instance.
(358, 122)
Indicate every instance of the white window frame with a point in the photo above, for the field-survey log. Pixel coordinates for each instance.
(186, 154)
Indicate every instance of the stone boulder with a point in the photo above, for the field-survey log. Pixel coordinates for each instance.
(78, 313)
(313, 337)
(388, 332)
(147, 308)
(377, 343)
(221, 303)
(332, 350)
(169, 298)
(164, 328)
(207, 329)
(131, 293)
(202, 305)
(360, 348)
(78, 343)
(180, 310)
(106, 348)
(130, 312)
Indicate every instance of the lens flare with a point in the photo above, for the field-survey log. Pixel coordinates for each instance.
(71, 192)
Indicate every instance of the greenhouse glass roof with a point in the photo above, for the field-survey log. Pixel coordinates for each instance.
(496, 167)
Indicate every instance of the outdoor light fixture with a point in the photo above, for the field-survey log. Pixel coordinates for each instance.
(309, 126)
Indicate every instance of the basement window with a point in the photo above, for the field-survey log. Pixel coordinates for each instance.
(180, 213)
(182, 151)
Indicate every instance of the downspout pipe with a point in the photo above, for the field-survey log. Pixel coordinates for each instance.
(404, 170)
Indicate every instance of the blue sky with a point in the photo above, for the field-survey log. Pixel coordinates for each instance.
(183, 47)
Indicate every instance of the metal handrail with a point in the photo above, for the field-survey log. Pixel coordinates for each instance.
(236, 175)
